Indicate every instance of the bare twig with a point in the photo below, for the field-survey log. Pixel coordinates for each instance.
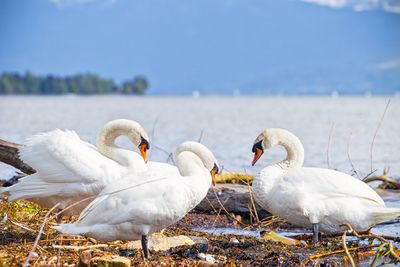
(153, 130)
(21, 225)
(369, 174)
(166, 152)
(348, 156)
(70, 206)
(376, 131)
(219, 212)
(370, 234)
(329, 144)
(77, 248)
(224, 209)
(35, 244)
(329, 253)
(384, 178)
(347, 250)
(253, 205)
(201, 136)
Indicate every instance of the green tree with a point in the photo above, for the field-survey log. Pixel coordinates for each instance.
(29, 83)
(5, 85)
(136, 86)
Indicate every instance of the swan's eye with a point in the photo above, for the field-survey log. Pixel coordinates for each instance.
(257, 145)
(144, 142)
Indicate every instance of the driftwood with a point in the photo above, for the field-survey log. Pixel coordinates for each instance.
(387, 182)
(234, 197)
(9, 155)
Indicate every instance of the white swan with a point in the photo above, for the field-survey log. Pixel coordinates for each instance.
(132, 211)
(323, 199)
(69, 169)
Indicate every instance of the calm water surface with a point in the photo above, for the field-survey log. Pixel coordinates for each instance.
(227, 125)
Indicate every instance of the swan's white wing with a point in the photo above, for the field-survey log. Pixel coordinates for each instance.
(149, 201)
(62, 157)
(328, 183)
(156, 168)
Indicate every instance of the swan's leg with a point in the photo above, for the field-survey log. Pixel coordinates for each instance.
(315, 234)
(145, 247)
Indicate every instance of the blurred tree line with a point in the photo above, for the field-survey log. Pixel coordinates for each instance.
(29, 83)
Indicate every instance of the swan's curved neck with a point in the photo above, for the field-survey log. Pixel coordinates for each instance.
(197, 177)
(189, 164)
(106, 145)
(264, 182)
(294, 150)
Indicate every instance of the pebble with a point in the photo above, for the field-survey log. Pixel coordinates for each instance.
(211, 258)
(110, 261)
(234, 240)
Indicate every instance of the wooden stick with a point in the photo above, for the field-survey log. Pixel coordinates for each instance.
(77, 248)
(35, 244)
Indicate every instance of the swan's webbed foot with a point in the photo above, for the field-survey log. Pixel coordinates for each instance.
(316, 234)
(145, 247)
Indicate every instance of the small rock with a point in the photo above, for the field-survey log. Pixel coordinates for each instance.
(234, 240)
(84, 259)
(214, 259)
(202, 256)
(270, 235)
(159, 242)
(202, 243)
(110, 261)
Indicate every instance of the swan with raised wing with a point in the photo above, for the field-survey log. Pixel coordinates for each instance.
(321, 199)
(132, 211)
(69, 169)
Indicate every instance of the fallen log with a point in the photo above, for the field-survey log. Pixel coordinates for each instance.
(234, 198)
(9, 155)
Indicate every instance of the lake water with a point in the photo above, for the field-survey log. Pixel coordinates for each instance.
(228, 125)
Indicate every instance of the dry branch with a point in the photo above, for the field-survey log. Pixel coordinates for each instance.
(385, 179)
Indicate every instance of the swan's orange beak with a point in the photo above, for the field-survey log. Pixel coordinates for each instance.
(213, 172)
(143, 151)
(257, 154)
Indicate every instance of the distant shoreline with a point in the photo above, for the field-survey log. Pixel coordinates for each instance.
(205, 96)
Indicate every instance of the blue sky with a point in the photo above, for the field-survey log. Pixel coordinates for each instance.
(214, 46)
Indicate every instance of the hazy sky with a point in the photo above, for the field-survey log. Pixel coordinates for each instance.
(203, 44)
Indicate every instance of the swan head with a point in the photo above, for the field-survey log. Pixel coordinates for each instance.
(276, 136)
(132, 129)
(265, 140)
(203, 153)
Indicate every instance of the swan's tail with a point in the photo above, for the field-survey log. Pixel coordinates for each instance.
(384, 214)
(70, 228)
